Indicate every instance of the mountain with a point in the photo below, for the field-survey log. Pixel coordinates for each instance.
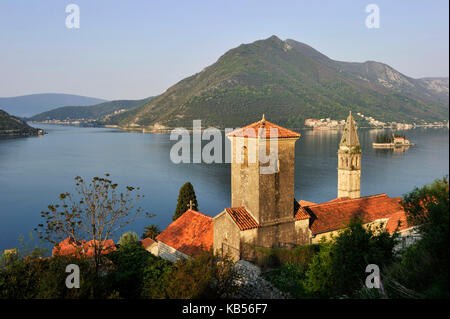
(437, 85)
(28, 105)
(98, 112)
(289, 81)
(382, 74)
(13, 126)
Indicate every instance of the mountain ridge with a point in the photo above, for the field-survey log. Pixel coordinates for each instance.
(31, 104)
(96, 112)
(288, 81)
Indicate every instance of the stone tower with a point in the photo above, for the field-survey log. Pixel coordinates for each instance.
(349, 161)
(265, 189)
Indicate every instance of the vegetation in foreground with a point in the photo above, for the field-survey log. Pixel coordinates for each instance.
(130, 272)
(336, 269)
(333, 269)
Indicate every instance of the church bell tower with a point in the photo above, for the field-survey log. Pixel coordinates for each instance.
(267, 191)
(349, 161)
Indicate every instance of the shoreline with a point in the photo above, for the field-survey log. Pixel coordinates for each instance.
(167, 130)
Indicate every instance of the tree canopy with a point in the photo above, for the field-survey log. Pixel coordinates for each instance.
(186, 195)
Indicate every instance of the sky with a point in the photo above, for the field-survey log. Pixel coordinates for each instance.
(133, 49)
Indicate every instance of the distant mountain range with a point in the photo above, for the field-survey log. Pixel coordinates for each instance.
(289, 81)
(28, 105)
(99, 112)
(13, 126)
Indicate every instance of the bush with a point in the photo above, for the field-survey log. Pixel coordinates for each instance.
(206, 276)
(339, 268)
(133, 269)
(276, 257)
(128, 238)
(319, 278)
(45, 278)
(289, 278)
(423, 271)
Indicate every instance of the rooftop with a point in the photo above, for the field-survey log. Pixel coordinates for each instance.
(264, 129)
(68, 247)
(242, 218)
(337, 213)
(191, 233)
(147, 242)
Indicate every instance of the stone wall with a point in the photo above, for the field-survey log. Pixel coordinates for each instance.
(226, 236)
(269, 197)
(349, 183)
(252, 285)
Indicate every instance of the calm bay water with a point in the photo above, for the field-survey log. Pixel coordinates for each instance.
(35, 170)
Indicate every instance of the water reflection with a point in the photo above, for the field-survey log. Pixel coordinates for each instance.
(34, 171)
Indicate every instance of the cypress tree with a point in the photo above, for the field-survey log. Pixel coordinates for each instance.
(186, 195)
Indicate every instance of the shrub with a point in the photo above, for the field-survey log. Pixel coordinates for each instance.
(45, 278)
(423, 271)
(128, 238)
(339, 268)
(206, 276)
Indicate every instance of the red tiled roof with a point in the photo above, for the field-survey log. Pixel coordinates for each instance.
(147, 242)
(335, 214)
(242, 218)
(305, 203)
(68, 247)
(339, 199)
(266, 129)
(301, 213)
(191, 233)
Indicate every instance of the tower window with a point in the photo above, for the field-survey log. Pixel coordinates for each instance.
(244, 156)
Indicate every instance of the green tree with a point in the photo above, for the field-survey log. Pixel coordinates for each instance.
(151, 231)
(128, 238)
(186, 195)
(423, 270)
(44, 278)
(319, 278)
(339, 268)
(206, 276)
(129, 262)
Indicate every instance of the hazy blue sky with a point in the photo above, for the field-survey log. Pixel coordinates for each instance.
(134, 49)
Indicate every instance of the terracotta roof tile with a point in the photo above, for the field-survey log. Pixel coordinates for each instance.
(265, 129)
(242, 218)
(68, 247)
(305, 203)
(147, 242)
(301, 214)
(333, 215)
(191, 233)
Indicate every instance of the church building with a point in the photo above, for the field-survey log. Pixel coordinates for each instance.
(264, 211)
